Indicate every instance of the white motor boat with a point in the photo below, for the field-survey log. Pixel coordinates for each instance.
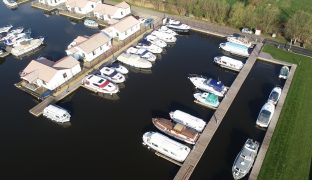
(100, 84)
(165, 29)
(238, 39)
(112, 75)
(284, 72)
(91, 23)
(134, 60)
(10, 3)
(27, 46)
(155, 40)
(22, 40)
(119, 68)
(166, 146)
(275, 95)
(143, 53)
(17, 30)
(229, 63)
(208, 85)
(236, 49)
(176, 25)
(188, 120)
(266, 114)
(12, 39)
(144, 44)
(5, 29)
(245, 159)
(56, 113)
(207, 99)
(168, 38)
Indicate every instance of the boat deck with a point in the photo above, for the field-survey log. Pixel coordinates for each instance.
(193, 158)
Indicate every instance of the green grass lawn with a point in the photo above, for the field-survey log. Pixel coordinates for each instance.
(290, 151)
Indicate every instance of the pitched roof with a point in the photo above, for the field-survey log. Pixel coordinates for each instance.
(123, 5)
(66, 62)
(105, 9)
(77, 3)
(94, 42)
(126, 24)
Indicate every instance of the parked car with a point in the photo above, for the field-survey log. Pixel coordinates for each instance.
(247, 30)
(148, 22)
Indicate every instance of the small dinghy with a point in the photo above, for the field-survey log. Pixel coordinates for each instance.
(284, 72)
(90, 23)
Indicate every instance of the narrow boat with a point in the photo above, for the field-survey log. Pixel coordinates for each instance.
(112, 75)
(236, 49)
(27, 46)
(275, 95)
(99, 84)
(155, 40)
(56, 113)
(10, 3)
(265, 114)
(90, 23)
(166, 146)
(209, 100)
(168, 38)
(143, 53)
(145, 44)
(119, 68)
(208, 85)
(238, 39)
(176, 25)
(165, 29)
(188, 120)
(134, 60)
(229, 63)
(176, 130)
(5, 29)
(245, 159)
(284, 72)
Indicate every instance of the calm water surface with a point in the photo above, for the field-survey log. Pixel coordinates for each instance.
(104, 139)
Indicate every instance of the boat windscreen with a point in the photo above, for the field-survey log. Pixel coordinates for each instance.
(273, 96)
(217, 85)
(212, 98)
(264, 116)
(284, 71)
(113, 74)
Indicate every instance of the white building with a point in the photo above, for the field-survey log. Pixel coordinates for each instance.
(108, 12)
(46, 73)
(81, 6)
(89, 48)
(52, 2)
(124, 28)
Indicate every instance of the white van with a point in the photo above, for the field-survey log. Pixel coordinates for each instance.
(56, 113)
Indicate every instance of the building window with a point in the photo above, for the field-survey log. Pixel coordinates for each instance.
(64, 75)
(79, 9)
(93, 52)
(126, 33)
(117, 34)
(92, 5)
(121, 13)
(101, 48)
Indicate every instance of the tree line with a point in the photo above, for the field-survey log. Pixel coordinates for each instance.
(258, 14)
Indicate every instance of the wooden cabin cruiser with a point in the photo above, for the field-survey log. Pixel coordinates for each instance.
(265, 114)
(188, 120)
(134, 60)
(176, 25)
(27, 46)
(176, 130)
(236, 49)
(119, 68)
(56, 113)
(143, 53)
(275, 95)
(208, 85)
(145, 44)
(229, 63)
(284, 72)
(209, 100)
(155, 40)
(238, 39)
(168, 38)
(99, 84)
(112, 75)
(167, 30)
(245, 159)
(166, 146)
(5, 29)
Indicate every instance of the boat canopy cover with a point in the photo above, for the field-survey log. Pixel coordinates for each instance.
(217, 85)
(212, 98)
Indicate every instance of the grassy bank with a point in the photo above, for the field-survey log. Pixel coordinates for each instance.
(289, 154)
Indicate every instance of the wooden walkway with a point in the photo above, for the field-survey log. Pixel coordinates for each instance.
(193, 158)
(72, 15)
(269, 133)
(44, 7)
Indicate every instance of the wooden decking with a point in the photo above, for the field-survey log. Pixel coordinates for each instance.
(44, 7)
(72, 15)
(199, 148)
(269, 133)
